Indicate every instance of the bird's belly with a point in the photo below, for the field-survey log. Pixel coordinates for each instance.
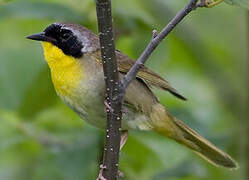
(95, 114)
(88, 102)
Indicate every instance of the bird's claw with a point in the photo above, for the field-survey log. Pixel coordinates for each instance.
(124, 110)
(108, 107)
(100, 176)
(120, 174)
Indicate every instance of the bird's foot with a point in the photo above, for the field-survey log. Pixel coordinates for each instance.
(120, 174)
(100, 176)
(124, 110)
(108, 107)
(124, 137)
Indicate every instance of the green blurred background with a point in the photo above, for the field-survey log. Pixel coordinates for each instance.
(204, 58)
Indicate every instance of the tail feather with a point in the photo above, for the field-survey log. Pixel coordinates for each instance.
(177, 130)
(204, 148)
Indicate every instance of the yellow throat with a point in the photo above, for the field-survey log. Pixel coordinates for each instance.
(66, 71)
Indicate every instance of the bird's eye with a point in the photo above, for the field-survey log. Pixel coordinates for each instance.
(65, 35)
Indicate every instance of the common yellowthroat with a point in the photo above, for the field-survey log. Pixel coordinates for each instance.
(74, 58)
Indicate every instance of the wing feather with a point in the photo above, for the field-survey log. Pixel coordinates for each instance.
(148, 76)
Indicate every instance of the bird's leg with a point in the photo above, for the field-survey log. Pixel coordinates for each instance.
(100, 176)
(124, 137)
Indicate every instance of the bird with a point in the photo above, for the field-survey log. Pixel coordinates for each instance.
(73, 55)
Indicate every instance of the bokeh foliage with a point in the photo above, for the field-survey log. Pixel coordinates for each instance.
(41, 138)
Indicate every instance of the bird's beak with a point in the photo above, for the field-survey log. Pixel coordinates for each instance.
(41, 37)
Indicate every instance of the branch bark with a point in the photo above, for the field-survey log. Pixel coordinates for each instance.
(115, 90)
(113, 109)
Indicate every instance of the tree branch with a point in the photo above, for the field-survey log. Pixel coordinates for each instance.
(113, 103)
(156, 39)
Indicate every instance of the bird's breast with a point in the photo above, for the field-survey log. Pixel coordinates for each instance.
(78, 82)
(66, 71)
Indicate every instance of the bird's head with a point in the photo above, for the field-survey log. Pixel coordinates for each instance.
(73, 39)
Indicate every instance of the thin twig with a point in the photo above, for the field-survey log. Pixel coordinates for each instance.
(131, 75)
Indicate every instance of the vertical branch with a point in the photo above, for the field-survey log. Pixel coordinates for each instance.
(113, 103)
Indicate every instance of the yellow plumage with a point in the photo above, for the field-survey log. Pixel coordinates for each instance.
(66, 71)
